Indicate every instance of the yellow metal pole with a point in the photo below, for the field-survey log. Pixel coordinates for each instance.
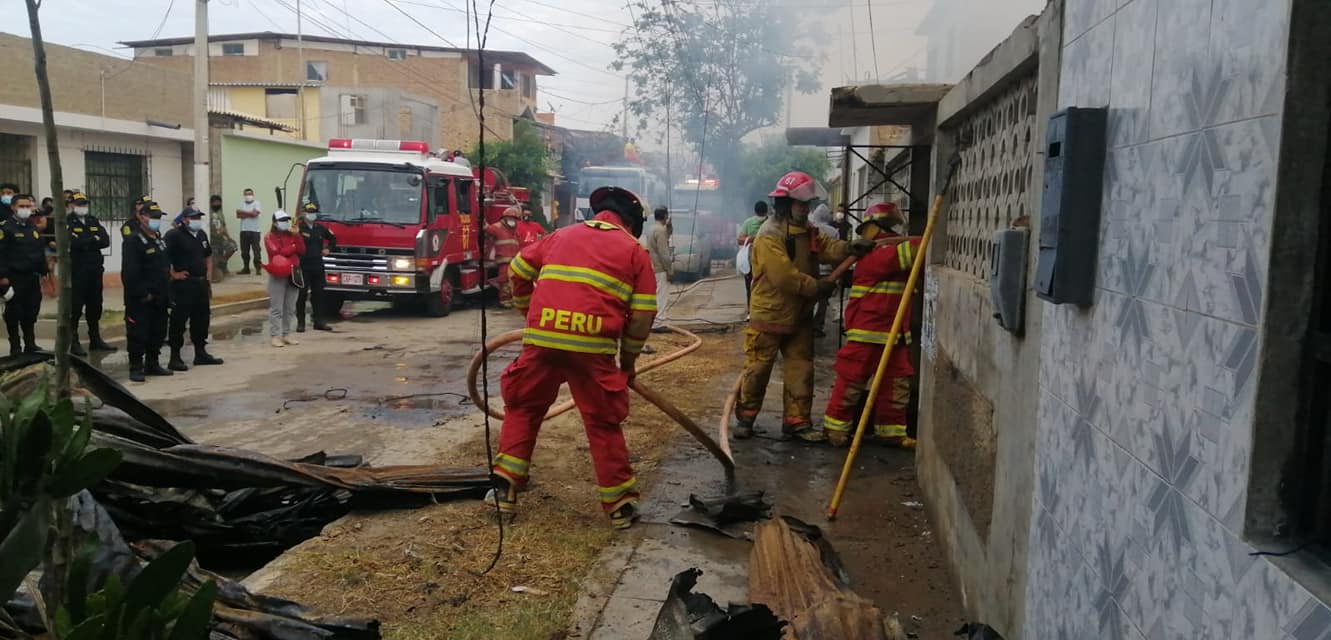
(916, 268)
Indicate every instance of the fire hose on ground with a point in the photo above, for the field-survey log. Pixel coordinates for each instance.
(721, 451)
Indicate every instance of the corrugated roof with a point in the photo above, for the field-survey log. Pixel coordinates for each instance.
(245, 118)
(284, 85)
(498, 57)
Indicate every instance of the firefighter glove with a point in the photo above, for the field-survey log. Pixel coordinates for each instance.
(861, 247)
(825, 289)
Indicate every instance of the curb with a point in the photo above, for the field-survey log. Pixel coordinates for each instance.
(112, 332)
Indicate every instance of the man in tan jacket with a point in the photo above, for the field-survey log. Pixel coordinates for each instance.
(658, 247)
(786, 254)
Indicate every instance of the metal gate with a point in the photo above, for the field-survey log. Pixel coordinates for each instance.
(113, 180)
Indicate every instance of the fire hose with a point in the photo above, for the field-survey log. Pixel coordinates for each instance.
(720, 451)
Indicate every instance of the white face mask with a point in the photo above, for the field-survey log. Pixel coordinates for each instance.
(312, 216)
(284, 225)
(249, 199)
(22, 214)
(195, 224)
(80, 211)
(510, 222)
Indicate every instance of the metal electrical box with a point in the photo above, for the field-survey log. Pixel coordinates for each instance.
(1007, 278)
(1074, 166)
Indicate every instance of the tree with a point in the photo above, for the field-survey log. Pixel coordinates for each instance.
(525, 160)
(720, 68)
(761, 165)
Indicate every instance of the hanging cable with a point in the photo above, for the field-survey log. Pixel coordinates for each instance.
(481, 37)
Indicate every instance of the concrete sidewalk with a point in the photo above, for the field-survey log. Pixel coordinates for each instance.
(234, 295)
(882, 533)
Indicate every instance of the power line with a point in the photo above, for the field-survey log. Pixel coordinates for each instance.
(158, 32)
(593, 104)
(873, 41)
(514, 18)
(419, 23)
(576, 13)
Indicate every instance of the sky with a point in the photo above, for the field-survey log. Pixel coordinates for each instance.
(574, 37)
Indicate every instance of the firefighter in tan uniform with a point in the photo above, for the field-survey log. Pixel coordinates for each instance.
(786, 254)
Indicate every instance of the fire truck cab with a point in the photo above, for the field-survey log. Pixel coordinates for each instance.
(407, 222)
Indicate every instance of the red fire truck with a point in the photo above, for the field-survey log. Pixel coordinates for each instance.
(407, 222)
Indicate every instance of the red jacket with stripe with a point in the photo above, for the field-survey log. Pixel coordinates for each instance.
(875, 293)
(580, 285)
(502, 242)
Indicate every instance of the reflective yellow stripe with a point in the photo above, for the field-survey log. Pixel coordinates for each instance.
(568, 342)
(517, 466)
(617, 492)
(874, 337)
(906, 254)
(643, 302)
(591, 277)
(882, 288)
(522, 301)
(602, 225)
(890, 430)
(520, 268)
(633, 346)
(832, 424)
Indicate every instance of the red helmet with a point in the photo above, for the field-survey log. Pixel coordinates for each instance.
(511, 212)
(882, 215)
(796, 185)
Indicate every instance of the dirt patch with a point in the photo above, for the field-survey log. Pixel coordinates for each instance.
(416, 570)
(964, 433)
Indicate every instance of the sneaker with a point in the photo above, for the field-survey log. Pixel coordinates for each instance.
(322, 327)
(177, 364)
(154, 368)
(624, 517)
(277, 342)
(743, 429)
(290, 340)
(202, 357)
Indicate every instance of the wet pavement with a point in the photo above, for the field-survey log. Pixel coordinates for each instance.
(882, 532)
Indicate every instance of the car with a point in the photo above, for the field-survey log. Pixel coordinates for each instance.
(691, 247)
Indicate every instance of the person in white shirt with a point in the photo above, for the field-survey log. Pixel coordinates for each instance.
(251, 232)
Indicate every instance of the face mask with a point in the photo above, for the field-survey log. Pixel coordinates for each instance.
(215, 207)
(195, 224)
(80, 211)
(22, 214)
(7, 199)
(312, 216)
(284, 225)
(510, 222)
(249, 199)
(155, 224)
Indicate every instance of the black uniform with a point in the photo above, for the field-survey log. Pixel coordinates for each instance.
(23, 263)
(189, 252)
(145, 274)
(87, 238)
(317, 238)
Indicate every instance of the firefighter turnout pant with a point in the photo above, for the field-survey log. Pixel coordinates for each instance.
(22, 310)
(145, 329)
(190, 298)
(600, 389)
(855, 366)
(505, 278)
(87, 285)
(761, 350)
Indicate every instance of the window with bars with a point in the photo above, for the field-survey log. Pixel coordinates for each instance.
(15, 165)
(991, 188)
(113, 180)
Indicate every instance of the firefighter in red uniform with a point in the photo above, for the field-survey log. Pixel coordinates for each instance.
(876, 290)
(502, 238)
(529, 230)
(588, 292)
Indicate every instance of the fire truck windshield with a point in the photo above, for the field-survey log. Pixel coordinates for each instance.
(592, 179)
(355, 195)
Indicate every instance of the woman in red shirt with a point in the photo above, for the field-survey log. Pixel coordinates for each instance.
(285, 247)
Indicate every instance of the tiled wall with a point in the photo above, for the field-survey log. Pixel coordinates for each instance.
(1146, 399)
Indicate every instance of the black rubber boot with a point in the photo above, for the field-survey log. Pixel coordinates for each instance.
(95, 341)
(202, 357)
(154, 368)
(176, 363)
(15, 345)
(76, 348)
(30, 340)
(300, 324)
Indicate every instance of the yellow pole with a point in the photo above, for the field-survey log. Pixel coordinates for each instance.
(916, 268)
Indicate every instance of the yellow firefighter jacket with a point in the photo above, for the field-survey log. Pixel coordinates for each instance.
(785, 270)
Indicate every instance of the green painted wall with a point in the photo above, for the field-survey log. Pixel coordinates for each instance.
(259, 164)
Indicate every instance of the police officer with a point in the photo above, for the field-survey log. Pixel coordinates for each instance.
(87, 239)
(22, 264)
(145, 272)
(132, 223)
(191, 289)
(319, 242)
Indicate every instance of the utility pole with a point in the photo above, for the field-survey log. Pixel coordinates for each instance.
(301, 74)
(64, 326)
(625, 117)
(202, 177)
(670, 183)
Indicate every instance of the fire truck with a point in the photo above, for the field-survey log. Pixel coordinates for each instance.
(407, 222)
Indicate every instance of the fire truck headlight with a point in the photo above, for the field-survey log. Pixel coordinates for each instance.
(402, 281)
(403, 264)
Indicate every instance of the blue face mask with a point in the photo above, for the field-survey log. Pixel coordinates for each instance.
(7, 199)
(311, 216)
(284, 225)
(195, 224)
(155, 224)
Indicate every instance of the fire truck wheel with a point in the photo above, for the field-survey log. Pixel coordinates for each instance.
(440, 303)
